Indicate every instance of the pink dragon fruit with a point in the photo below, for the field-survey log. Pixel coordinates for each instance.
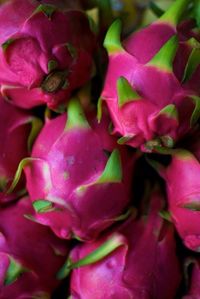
(17, 130)
(137, 260)
(183, 189)
(194, 288)
(147, 103)
(41, 61)
(76, 189)
(30, 255)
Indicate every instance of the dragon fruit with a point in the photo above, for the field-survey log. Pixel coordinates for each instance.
(17, 130)
(148, 105)
(41, 61)
(183, 189)
(77, 178)
(30, 255)
(137, 260)
(194, 287)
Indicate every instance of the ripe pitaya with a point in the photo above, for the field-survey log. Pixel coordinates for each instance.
(147, 103)
(194, 280)
(78, 181)
(30, 255)
(17, 130)
(138, 260)
(182, 178)
(45, 53)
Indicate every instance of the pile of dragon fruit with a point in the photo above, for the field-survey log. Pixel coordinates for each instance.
(99, 154)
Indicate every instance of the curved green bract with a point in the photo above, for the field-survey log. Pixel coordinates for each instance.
(42, 206)
(112, 41)
(36, 125)
(113, 170)
(169, 111)
(196, 112)
(193, 60)
(174, 14)
(164, 58)
(22, 164)
(114, 242)
(14, 270)
(47, 9)
(125, 91)
(75, 115)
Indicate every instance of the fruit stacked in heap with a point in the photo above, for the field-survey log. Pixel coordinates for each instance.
(99, 198)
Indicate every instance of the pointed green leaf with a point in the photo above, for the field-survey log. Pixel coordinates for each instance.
(194, 206)
(165, 215)
(125, 139)
(18, 174)
(130, 212)
(112, 41)
(93, 18)
(196, 112)
(24, 162)
(113, 170)
(125, 91)
(52, 65)
(165, 57)
(36, 125)
(47, 9)
(31, 218)
(114, 242)
(111, 174)
(14, 270)
(42, 206)
(75, 115)
(174, 14)
(6, 44)
(193, 60)
(169, 111)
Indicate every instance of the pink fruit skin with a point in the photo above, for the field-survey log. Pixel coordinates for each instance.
(15, 126)
(157, 88)
(183, 188)
(34, 40)
(140, 119)
(145, 266)
(68, 160)
(194, 290)
(154, 36)
(34, 247)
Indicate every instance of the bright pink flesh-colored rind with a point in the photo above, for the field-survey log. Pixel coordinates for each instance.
(41, 62)
(121, 273)
(77, 167)
(30, 254)
(184, 196)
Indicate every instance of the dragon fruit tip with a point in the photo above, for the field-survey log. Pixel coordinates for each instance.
(112, 41)
(126, 93)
